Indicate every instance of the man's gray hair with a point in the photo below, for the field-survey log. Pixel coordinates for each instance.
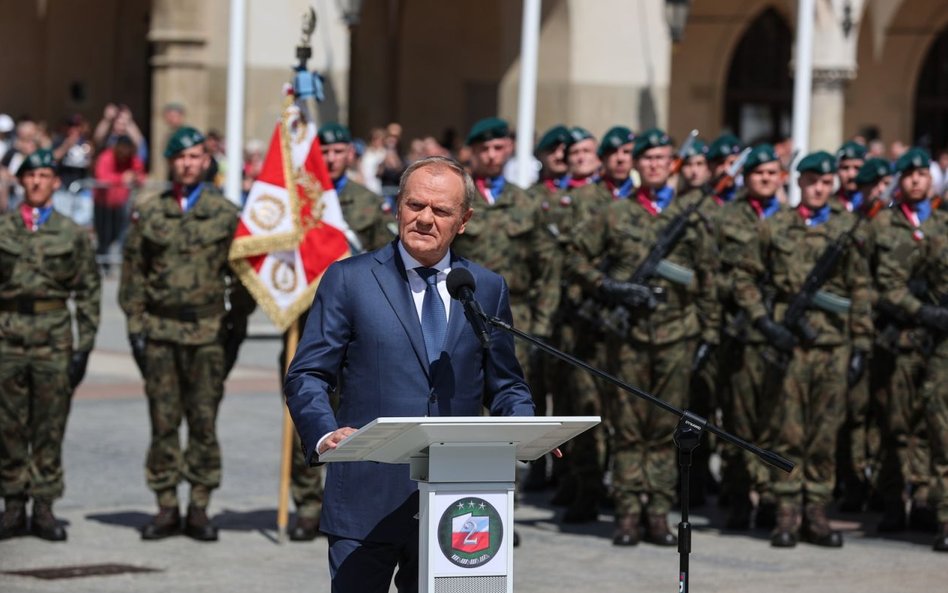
(440, 162)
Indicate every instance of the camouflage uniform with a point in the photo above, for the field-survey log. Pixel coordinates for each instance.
(935, 388)
(812, 395)
(575, 391)
(39, 271)
(369, 217)
(508, 237)
(657, 350)
(916, 358)
(747, 386)
(172, 291)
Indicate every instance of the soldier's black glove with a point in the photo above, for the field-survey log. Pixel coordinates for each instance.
(702, 356)
(628, 293)
(137, 342)
(934, 317)
(77, 367)
(777, 335)
(857, 366)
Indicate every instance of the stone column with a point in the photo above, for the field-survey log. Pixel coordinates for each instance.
(829, 108)
(179, 69)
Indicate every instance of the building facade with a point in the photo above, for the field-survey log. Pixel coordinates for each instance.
(436, 67)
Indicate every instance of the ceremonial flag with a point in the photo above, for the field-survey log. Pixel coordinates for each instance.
(291, 228)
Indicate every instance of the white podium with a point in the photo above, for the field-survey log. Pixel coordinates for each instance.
(465, 468)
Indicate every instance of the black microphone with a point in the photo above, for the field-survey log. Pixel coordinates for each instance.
(461, 286)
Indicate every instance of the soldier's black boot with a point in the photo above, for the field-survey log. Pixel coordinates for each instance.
(817, 530)
(739, 513)
(198, 525)
(13, 520)
(785, 533)
(627, 531)
(855, 493)
(941, 541)
(165, 524)
(305, 530)
(44, 524)
(657, 532)
(893, 517)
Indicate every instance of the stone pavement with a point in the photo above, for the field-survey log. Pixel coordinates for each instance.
(106, 501)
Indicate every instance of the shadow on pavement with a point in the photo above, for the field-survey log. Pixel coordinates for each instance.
(131, 519)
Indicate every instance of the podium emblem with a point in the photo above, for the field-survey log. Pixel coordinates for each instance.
(470, 532)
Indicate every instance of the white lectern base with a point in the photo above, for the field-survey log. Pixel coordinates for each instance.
(465, 520)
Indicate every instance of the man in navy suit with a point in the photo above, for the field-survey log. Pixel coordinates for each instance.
(386, 337)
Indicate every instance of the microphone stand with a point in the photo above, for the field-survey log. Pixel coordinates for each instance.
(687, 436)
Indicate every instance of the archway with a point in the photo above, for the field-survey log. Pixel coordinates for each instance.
(759, 96)
(931, 97)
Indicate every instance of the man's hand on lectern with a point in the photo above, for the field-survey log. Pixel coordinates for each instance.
(332, 441)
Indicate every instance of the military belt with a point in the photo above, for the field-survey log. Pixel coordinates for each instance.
(190, 314)
(31, 306)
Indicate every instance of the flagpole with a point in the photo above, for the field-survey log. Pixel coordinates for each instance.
(236, 65)
(286, 450)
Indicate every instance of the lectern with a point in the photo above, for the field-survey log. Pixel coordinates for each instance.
(465, 469)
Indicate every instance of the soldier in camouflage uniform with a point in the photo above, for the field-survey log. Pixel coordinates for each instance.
(544, 370)
(851, 463)
(902, 237)
(865, 418)
(368, 217)
(935, 388)
(812, 396)
(174, 277)
(577, 392)
(45, 259)
(654, 349)
(507, 235)
(747, 387)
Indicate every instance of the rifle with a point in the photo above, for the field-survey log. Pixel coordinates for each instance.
(811, 293)
(655, 262)
(682, 153)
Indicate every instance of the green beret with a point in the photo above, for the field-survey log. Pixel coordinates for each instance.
(185, 137)
(697, 148)
(820, 162)
(333, 133)
(650, 139)
(872, 171)
(851, 150)
(616, 137)
(724, 145)
(914, 158)
(553, 137)
(578, 134)
(760, 154)
(41, 159)
(489, 128)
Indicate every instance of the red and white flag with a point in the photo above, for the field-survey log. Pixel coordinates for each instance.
(291, 228)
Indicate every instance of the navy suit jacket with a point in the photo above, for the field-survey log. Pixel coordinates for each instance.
(363, 339)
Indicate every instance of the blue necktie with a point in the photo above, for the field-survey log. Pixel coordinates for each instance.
(434, 320)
